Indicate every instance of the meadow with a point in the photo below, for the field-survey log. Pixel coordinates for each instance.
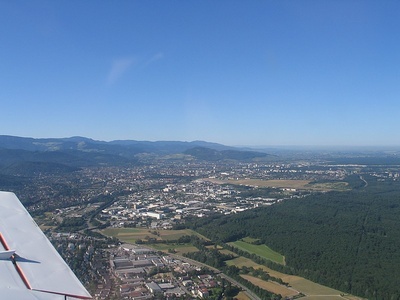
(132, 235)
(286, 184)
(271, 286)
(261, 250)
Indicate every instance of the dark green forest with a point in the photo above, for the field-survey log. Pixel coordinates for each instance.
(345, 240)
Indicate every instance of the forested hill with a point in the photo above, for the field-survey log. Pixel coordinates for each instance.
(346, 240)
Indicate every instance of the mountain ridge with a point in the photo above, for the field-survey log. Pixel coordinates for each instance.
(81, 143)
(69, 154)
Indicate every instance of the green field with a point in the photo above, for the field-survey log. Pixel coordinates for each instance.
(244, 262)
(249, 240)
(330, 186)
(131, 235)
(261, 250)
(286, 183)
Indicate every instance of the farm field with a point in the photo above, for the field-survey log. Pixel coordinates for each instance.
(264, 183)
(330, 186)
(312, 289)
(245, 262)
(242, 296)
(228, 252)
(271, 286)
(260, 250)
(131, 235)
(289, 184)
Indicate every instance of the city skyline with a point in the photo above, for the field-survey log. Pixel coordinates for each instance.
(259, 73)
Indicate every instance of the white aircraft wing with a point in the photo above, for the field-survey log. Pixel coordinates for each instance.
(30, 267)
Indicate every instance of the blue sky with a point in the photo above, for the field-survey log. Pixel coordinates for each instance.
(233, 72)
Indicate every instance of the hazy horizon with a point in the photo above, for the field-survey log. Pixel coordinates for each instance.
(253, 147)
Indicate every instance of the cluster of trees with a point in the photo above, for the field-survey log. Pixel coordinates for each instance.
(72, 224)
(78, 258)
(209, 256)
(346, 240)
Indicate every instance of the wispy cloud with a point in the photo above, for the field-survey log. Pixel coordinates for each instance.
(155, 57)
(118, 68)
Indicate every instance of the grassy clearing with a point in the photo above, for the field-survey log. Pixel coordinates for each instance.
(289, 184)
(294, 184)
(310, 288)
(271, 286)
(127, 234)
(242, 296)
(305, 286)
(228, 252)
(260, 250)
(330, 186)
(244, 262)
(214, 247)
(131, 235)
(168, 235)
(249, 240)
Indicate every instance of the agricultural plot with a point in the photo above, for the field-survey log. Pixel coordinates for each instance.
(264, 183)
(131, 235)
(330, 186)
(163, 237)
(261, 250)
(312, 289)
(127, 235)
(244, 262)
(286, 184)
(242, 296)
(271, 286)
(214, 247)
(249, 240)
(228, 252)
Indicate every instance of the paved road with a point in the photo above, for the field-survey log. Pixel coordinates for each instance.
(366, 183)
